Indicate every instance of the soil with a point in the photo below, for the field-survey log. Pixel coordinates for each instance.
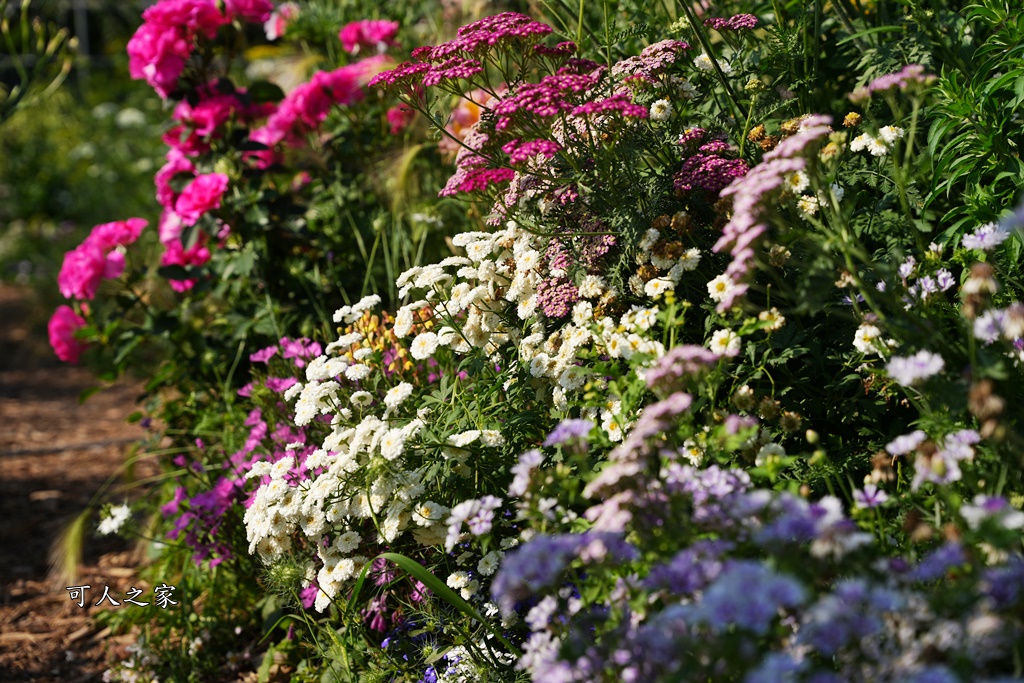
(55, 455)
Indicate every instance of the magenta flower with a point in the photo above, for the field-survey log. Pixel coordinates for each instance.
(278, 21)
(62, 327)
(176, 255)
(368, 34)
(200, 196)
(160, 47)
(119, 233)
(82, 271)
(253, 11)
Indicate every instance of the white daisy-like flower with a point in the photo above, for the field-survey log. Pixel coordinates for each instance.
(480, 250)
(489, 563)
(463, 439)
(582, 313)
(658, 286)
(721, 287)
(689, 260)
(361, 398)
(424, 346)
(807, 205)
(592, 286)
(767, 453)
(645, 318)
(528, 260)
(797, 182)
(705, 63)
(612, 427)
(403, 322)
(890, 134)
(725, 343)
(693, 452)
(650, 238)
(661, 110)
(397, 395)
(392, 444)
(491, 438)
(458, 580)
(866, 338)
(347, 542)
(877, 147)
(572, 378)
(860, 142)
(540, 364)
(429, 513)
(357, 372)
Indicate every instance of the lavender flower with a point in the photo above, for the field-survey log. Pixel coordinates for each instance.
(748, 595)
(906, 443)
(870, 497)
(986, 238)
(528, 462)
(989, 325)
(911, 370)
(938, 562)
(568, 430)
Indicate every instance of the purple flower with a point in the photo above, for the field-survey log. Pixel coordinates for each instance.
(986, 237)
(870, 497)
(263, 355)
(944, 279)
(748, 595)
(938, 562)
(989, 325)
(568, 430)
(911, 370)
(904, 444)
(528, 461)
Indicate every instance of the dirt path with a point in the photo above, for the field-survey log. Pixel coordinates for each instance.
(54, 455)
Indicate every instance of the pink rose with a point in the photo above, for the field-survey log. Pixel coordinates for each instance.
(278, 21)
(157, 54)
(177, 163)
(201, 195)
(176, 255)
(255, 11)
(399, 117)
(82, 271)
(62, 327)
(375, 34)
(197, 16)
(106, 236)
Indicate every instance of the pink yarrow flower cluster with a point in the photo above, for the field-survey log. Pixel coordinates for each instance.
(908, 76)
(653, 61)
(734, 23)
(159, 49)
(368, 34)
(705, 168)
(460, 57)
(750, 193)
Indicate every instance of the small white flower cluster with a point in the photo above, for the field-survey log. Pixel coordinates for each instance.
(498, 280)
(877, 146)
(672, 269)
(705, 63)
(115, 520)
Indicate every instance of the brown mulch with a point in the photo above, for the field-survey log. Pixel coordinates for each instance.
(55, 454)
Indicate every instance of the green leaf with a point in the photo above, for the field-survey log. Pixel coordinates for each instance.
(265, 91)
